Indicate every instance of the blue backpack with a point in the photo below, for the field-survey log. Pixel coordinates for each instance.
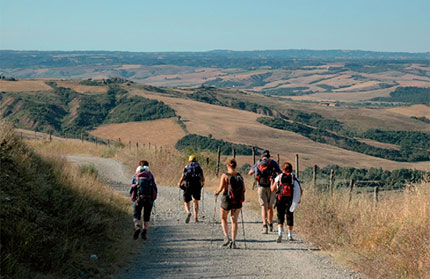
(193, 174)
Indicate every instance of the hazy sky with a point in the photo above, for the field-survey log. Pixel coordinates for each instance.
(191, 25)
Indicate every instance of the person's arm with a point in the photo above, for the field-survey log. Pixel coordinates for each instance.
(222, 185)
(133, 184)
(181, 180)
(253, 169)
(273, 186)
(203, 178)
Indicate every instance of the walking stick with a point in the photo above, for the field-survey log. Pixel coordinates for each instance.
(213, 220)
(203, 200)
(243, 227)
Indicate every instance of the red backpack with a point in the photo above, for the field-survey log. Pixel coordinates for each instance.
(264, 171)
(285, 185)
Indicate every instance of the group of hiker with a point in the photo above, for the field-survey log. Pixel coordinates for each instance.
(276, 187)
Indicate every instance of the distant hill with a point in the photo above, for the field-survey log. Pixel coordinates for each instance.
(216, 58)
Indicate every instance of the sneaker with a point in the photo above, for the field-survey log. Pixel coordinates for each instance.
(233, 245)
(265, 229)
(271, 227)
(290, 238)
(136, 233)
(187, 220)
(143, 235)
(226, 241)
(196, 220)
(279, 239)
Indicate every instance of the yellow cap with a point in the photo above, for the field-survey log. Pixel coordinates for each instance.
(191, 158)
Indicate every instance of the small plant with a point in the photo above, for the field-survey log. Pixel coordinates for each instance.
(111, 150)
(89, 170)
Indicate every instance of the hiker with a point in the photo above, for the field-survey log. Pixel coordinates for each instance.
(283, 186)
(233, 189)
(265, 169)
(192, 182)
(143, 192)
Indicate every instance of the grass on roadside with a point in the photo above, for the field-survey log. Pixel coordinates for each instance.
(390, 239)
(54, 217)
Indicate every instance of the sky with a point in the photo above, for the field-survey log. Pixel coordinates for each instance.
(202, 25)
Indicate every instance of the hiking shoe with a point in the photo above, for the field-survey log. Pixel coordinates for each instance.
(271, 227)
(143, 235)
(196, 220)
(279, 239)
(233, 245)
(290, 238)
(136, 233)
(226, 241)
(265, 229)
(187, 220)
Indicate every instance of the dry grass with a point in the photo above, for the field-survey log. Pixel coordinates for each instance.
(163, 132)
(415, 110)
(54, 216)
(387, 240)
(24, 86)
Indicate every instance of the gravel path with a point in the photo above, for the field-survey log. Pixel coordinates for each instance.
(179, 250)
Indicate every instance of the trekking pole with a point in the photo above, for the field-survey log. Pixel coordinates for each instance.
(203, 200)
(243, 227)
(154, 212)
(213, 221)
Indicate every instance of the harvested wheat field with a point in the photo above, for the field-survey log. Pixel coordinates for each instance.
(24, 86)
(415, 110)
(163, 132)
(83, 88)
(239, 126)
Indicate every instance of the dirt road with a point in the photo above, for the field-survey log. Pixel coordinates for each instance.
(178, 250)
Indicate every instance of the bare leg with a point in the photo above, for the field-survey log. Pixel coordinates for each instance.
(187, 207)
(234, 217)
(224, 224)
(196, 208)
(264, 214)
(145, 225)
(270, 214)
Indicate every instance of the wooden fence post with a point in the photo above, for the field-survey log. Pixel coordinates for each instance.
(351, 187)
(50, 136)
(207, 161)
(297, 165)
(331, 184)
(279, 159)
(108, 142)
(253, 156)
(234, 153)
(218, 159)
(376, 195)
(129, 144)
(149, 146)
(137, 145)
(314, 178)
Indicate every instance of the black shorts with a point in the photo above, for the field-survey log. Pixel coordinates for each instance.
(227, 205)
(283, 208)
(146, 205)
(192, 192)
